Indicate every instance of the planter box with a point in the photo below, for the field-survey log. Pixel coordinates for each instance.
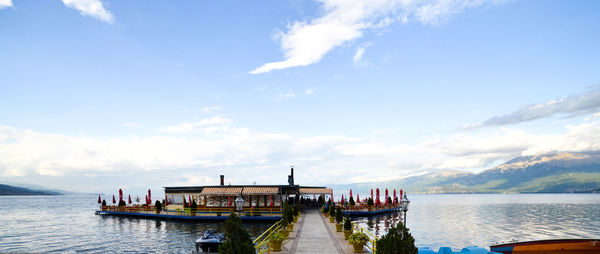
(358, 248)
(275, 246)
(331, 219)
(338, 227)
(347, 234)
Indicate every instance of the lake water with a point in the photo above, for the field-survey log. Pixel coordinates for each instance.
(68, 223)
(460, 220)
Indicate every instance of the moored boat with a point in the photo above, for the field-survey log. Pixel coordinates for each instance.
(549, 246)
(209, 242)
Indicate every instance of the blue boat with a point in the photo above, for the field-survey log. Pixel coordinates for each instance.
(448, 250)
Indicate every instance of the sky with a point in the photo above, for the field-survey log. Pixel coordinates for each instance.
(97, 95)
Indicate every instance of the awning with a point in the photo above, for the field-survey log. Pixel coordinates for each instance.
(221, 191)
(307, 191)
(260, 191)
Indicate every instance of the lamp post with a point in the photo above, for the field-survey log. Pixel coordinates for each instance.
(404, 205)
(239, 204)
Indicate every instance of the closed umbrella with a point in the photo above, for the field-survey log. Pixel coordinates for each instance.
(99, 200)
(395, 200)
(371, 193)
(400, 194)
(166, 200)
(147, 200)
(271, 201)
(342, 200)
(350, 192)
(386, 196)
(357, 198)
(229, 200)
(149, 195)
(377, 201)
(120, 195)
(114, 201)
(190, 199)
(130, 199)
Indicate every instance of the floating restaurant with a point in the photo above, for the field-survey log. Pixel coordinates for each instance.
(216, 202)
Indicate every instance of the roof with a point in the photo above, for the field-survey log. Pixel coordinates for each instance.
(260, 190)
(221, 191)
(315, 191)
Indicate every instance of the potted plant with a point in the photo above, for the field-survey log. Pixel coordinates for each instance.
(347, 228)
(358, 241)
(338, 219)
(397, 240)
(158, 206)
(284, 232)
(370, 204)
(275, 241)
(295, 212)
(331, 214)
(325, 210)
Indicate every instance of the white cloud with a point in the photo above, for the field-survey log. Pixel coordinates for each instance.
(289, 95)
(210, 109)
(5, 4)
(133, 125)
(93, 8)
(358, 55)
(309, 91)
(585, 103)
(206, 126)
(306, 42)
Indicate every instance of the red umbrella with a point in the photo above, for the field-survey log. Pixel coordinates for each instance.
(229, 200)
(342, 200)
(149, 196)
(386, 196)
(371, 193)
(120, 194)
(350, 192)
(271, 201)
(166, 200)
(357, 198)
(130, 199)
(395, 203)
(190, 199)
(314, 197)
(114, 201)
(99, 200)
(377, 201)
(400, 194)
(147, 200)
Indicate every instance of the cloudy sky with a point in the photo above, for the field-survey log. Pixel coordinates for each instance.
(101, 94)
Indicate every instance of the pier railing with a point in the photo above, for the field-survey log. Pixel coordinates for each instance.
(216, 211)
(372, 243)
(261, 243)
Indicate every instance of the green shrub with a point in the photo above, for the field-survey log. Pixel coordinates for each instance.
(397, 240)
(359, 238)
(370, 202)
(338, 215)
(122, 203)
(331, 211)
(347, 224)
(295, 211)
(287, 213)
(158, 205)
(277, 237)
(103, 202)
(326, 209)
(389, 199)
(237, 239)
(351, 201)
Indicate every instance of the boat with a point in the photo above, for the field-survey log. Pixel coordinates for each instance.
(209, 241)
(561, 246)
(448, 250)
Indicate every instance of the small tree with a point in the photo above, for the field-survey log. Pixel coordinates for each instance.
(158, 206)
(351, 201)
(398, 240)
(389, 199)
(287, 213)
(295, 211)
(325, 209)
(331, 211)
(237, 239)
(370, 202)
(103, 202)
(122, 203)
(347, 224)
(338, 215)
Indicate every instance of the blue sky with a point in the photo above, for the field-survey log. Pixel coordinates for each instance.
(96, 95)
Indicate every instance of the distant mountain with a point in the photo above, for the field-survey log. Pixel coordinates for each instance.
(549, 173)
(6, 190)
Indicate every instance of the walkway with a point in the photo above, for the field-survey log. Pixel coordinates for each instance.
(315, 235)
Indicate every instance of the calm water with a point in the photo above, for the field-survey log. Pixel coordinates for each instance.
(68, 223)
(462, 220)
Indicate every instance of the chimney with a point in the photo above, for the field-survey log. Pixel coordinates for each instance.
(222, 180)
(291, 177)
